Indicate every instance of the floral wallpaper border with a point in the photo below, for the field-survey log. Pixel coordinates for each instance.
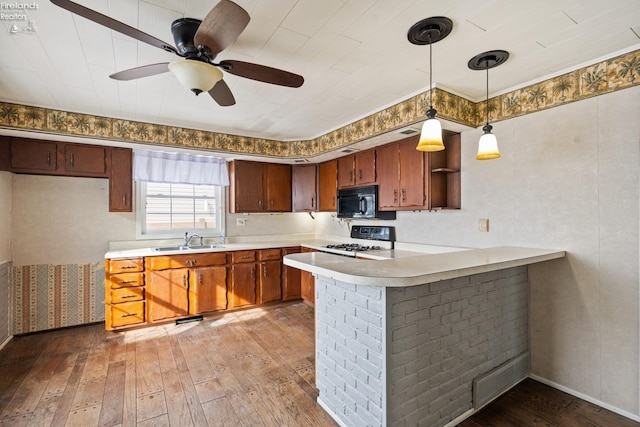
(603, 77)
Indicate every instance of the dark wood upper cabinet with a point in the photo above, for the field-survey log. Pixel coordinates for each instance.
(259, 187)
(121, 180)
(357, 169)
(327, 186)
(32, 155)
(304, 183)
(277, 187)
(90, 159)
(39, 157)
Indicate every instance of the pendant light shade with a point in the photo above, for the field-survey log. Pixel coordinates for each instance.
(429, 31)
(488, 144)
(197, 76)
(431, 135)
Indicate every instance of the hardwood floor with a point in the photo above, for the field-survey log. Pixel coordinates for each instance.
(532, 403)
(245, 368)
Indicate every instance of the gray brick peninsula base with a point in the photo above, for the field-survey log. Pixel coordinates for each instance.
(408, 356)
(419, 339)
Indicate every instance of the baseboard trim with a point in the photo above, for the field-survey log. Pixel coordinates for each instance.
(460, 418)
(9, 338)
(586, 397)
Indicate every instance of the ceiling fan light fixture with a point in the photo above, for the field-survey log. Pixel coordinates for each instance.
(197, 76)
(429, 31)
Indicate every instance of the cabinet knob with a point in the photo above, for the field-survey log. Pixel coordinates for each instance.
(71, 158)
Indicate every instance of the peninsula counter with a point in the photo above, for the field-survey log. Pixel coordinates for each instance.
(400, 341)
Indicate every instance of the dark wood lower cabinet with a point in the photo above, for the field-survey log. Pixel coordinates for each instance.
(167, 294)
(208, 289)
(147, 290)
(291, 278)
(242, 289)
(308, 284)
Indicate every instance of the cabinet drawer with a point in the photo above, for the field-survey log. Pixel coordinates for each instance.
(243, 256)
(127, 295)
(269, 254)
(123, 280)
(127, 313)
(125, 265)
(164, 262)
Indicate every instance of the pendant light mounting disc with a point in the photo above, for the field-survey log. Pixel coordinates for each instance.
(430, 30)
(488, 60)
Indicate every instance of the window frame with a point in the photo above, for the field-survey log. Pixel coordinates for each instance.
(143, 233)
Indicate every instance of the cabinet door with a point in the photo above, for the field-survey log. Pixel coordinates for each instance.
(365, 167)
(307, 284)
(243, 285)
(388, 169)
(85, 159)
(277, 188)
(327, 186)
(304, 188)
(346, 171)
(290, 278)
(246, 188)
(167, 293)
(269, 285)
(33, 155)
(412, 172)
(208, 289)
(121, 181)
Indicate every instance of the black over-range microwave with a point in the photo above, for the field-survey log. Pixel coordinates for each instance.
(362, 203)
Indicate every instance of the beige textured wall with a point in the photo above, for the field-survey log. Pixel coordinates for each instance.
(568, 179)
(5, 215)
(64, 220)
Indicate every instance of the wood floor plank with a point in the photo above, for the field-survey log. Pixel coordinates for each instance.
(113, 399)
(129, 417)
(177, 406)
(151, 406)
(191, 396)
(148, 378)
(83, 417)
(65, 403)
(220, 413)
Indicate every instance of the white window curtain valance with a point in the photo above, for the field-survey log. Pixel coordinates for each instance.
(179, 168)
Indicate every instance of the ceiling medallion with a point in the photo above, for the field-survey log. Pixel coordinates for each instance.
(430, 30)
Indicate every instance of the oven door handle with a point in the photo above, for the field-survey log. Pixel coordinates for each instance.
(363, 205)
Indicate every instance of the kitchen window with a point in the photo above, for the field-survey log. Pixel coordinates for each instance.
(170, 210)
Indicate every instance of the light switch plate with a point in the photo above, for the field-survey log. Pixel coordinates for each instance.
(483, 225)
(241, 222)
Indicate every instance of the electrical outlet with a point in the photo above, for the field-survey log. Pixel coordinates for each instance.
(483, 225)
(241, 222)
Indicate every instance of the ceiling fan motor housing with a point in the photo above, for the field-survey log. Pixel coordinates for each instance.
(184, 30)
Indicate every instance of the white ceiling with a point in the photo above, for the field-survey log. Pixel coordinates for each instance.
(353, 54)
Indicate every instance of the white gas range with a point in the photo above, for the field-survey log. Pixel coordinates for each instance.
(381, 237)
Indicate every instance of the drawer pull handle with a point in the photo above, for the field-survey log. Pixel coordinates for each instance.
(72, 160)
(126, 282)
(129, 296)
(246, 257)
(128, 314)
(128, 267)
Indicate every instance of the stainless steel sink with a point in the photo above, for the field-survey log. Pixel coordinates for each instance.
(185, 248)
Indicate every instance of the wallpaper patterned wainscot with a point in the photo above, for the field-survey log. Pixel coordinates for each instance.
(48, 296)
(596, 79)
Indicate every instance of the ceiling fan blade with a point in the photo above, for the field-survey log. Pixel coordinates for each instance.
(221, 27)
(222, 94)
(111, 23)
(143, 71)
(262, 73)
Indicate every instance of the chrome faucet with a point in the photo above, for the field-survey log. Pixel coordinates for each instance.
(187, 238)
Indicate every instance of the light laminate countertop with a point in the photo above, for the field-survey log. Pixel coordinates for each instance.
(407, 268)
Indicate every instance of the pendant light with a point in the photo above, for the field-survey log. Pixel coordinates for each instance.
(488, 144)
(429, 31)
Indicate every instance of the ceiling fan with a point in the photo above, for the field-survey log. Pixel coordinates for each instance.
(198, 42)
